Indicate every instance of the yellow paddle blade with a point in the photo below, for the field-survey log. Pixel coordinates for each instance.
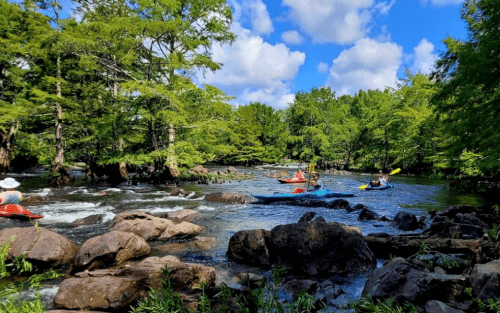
(395, 171)
(363, 187)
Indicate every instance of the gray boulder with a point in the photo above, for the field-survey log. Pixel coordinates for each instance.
(250, 247)
(405, 221)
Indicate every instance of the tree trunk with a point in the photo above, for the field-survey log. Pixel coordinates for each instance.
(59, 160)
(172, 162)
(6, 141)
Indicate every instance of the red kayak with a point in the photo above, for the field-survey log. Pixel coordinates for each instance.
(292, 181)
(16, 211)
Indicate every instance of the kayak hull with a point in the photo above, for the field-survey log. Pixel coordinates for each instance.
(292, 181)
(15, 211)
(388, 186)
(326, 193)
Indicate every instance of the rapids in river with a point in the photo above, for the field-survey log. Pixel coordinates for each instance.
(221, 221)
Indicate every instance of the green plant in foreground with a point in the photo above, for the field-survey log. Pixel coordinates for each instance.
(366, 305)
(12, 304)
(494, 304)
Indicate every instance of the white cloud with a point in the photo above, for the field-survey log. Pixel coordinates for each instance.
(292, 37)
(384, 35)
(256, 12)
(255, 70)
(443, 2)
(340, 21)
(369, 64)
(323, 67)
(424, 59)
(384, 7)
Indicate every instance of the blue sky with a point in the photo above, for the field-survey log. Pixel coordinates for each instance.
(294, 45)
(288, 46)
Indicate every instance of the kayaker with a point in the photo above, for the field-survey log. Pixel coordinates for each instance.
(10, 196)
(316, 183)
(299, 175)
(376, 182)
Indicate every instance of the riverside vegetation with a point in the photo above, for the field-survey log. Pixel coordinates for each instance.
(99, 91)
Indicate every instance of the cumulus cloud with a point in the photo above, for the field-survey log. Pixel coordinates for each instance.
(323, 67)
(424, 58)
(255, 70)
(340, 21)
(256, 12)
(369, 64)
(292, 37)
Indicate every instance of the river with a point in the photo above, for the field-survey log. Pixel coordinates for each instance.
(221, 221)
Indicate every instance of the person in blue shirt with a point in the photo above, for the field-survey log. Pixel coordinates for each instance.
(316, 183)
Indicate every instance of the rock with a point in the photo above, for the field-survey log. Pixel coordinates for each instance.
(91, 293)
(199, 243)
(250, 280)
(367, 215)
(89, 220)
(383, 219)
(179, 192)
(408, 281)
(470, 219)
(250, 247)
(181, 230)
(228, 197)
(320, 248)
(405, 221)
(199, 169)
(182, 275)
(295, 286)
(232, 169)
(114, 247)
(448, 229)
(184, 215)
(35, 200)
(440, 271)
(338, 204)
(357, 207)
(46, 248)
(379, 235)
(485, 280)
(102, 193)
(307, 217)
(142, 224)
(434, 306)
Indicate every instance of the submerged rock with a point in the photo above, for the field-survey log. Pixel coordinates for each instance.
(89, 220)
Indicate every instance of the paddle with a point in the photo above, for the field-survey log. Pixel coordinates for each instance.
(391, 173)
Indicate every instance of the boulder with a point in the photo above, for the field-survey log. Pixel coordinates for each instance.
(98, 293)
(357, 207)
(142, 224)
(295, 286)
(232, 169)
(367, 215)
(408, 281)
(320, 248)
(181, 230)
(199, 169)
(338, 204)
(184, 215)
(35, 200)
(434, 306)
(470, 219)
(405, 221)
(89, 220)
(250, 280)
(199, 243)
(182, 275)
(179, 192)
(250, 247)
(485, 280)
(228, 197)
(114, 247)
(447, 229)
(46, 248)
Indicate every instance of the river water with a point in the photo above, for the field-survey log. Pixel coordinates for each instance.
(221, 221)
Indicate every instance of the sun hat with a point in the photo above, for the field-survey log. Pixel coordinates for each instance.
(9, 183)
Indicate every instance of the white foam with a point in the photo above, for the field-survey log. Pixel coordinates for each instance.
(43, 192)
(163, 199)
(64, 212)
(161, 209)
(205, 208)
(113, 189)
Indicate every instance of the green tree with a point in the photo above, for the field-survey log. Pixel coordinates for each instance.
(468, 76)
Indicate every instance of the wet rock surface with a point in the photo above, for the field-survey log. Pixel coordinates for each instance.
(228, 197)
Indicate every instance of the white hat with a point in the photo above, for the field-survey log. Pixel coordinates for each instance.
(9, 183)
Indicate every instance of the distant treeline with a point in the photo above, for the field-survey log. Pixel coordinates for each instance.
(116, 86)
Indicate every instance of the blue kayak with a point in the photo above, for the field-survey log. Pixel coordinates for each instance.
(325, 193)
(380, 187)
